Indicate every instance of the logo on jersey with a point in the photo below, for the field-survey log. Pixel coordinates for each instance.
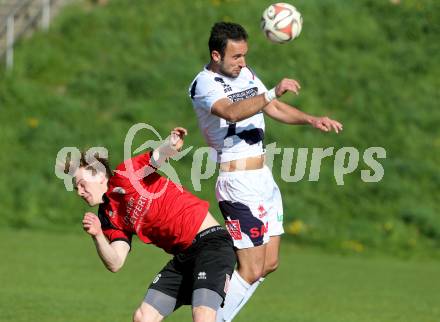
(239, 96)
(202, 276)
(280, 217)
(136, 208)
(262, 211)
(119, 190)
(258, 232)
(233, 227)
(156, 279)
(226, 88)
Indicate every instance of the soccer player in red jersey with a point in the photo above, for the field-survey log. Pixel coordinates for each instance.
(137, 200)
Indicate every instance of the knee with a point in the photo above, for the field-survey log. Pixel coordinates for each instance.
(146, 313)
(271, 266)
(137, 316)
(203, 314)
(252, 274)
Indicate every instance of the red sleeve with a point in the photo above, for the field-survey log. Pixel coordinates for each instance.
(137, 162)
(142, 160)
(130, 167)
(111, 232)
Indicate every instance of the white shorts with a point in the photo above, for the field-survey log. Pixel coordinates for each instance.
(251, 204)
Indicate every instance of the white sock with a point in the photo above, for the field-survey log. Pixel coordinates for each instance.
(246, 298)
(238, 294)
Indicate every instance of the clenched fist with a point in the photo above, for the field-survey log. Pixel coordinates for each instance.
(91, 224)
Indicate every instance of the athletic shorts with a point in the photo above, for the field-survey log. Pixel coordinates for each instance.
(251, 204)
(207, 263)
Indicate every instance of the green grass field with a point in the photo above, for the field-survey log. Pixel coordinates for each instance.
(50, 277)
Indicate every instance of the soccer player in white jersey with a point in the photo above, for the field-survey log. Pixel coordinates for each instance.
(230, 102)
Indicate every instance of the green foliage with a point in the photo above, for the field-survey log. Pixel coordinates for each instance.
(373, 65)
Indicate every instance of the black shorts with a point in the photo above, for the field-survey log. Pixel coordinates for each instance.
(208, 263)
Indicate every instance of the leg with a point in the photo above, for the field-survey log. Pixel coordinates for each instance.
(247, 226)
(272, 255)
(244, 281)
(155, 307)
(205, 304)
(203, 314)
(251, 205)
(251, 263)
(147, 313)
(214, 264)
(161, 298)
(275, 231)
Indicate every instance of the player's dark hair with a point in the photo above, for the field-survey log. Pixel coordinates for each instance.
(92, 166)
(221, 32)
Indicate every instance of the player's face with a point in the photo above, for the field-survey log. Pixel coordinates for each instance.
(233, 59)
(90, 187)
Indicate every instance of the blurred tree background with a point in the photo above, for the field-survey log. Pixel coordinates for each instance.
(372, 64)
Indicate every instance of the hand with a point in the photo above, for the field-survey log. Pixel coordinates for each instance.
(91, 224)
(176, 138)
(287, 85)
(325, 124)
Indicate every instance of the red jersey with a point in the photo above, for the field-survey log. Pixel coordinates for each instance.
(153, 207)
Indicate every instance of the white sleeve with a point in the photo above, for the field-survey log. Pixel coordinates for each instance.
(260, 85)
(258, 82)
(205, 91)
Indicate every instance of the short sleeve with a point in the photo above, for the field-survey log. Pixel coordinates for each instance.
(142, 160)
(205, 91)
(111, 232)
(137, 162)
(261, 87)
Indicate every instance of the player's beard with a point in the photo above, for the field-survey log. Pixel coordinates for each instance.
(227, 73)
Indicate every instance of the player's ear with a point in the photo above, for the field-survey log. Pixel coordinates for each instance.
(215, 56)
(102, 177)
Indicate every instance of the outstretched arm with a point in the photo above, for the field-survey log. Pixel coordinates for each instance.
(169, 147)
(113, 254)
(285, 113)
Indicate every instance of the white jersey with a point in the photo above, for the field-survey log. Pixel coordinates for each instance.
(231, 141)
